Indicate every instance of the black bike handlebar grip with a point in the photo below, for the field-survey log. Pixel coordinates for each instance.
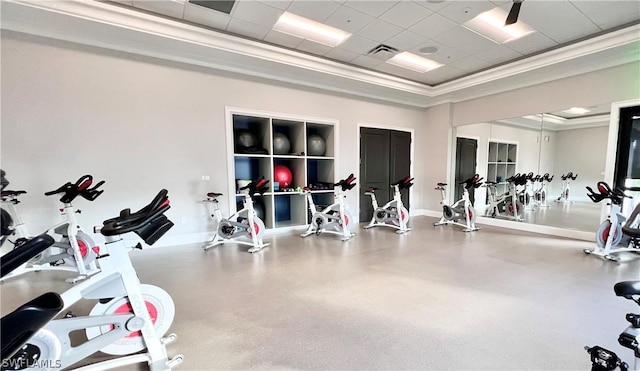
(59, 190)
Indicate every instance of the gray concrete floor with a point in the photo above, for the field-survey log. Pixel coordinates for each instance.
(436, 298)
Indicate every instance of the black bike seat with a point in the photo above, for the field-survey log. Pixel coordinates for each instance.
(441, 184)
(12, 193)
(213, 194)
(627, 289)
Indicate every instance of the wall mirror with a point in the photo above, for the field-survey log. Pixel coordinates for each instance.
(554, 143)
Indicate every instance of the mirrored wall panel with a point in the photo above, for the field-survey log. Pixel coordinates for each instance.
(537, 167)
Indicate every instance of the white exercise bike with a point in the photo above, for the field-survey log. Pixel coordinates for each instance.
(506, 205)
(129, 321)
(75, 251)
(565, 195)
(236, 228)
(610, 234)
(335, 218)
(393, 214)
(461, 209)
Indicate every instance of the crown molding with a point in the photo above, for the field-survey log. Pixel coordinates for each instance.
(112, 27)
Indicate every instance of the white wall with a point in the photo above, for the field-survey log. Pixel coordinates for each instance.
(142, 125)
(583, 152)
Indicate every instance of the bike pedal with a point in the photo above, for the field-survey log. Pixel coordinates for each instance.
(168, 339)
(69, 314)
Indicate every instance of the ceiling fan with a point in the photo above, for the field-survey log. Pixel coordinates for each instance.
(514, 12)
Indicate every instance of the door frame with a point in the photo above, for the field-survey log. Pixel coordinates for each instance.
(453, 164)
(411, 132)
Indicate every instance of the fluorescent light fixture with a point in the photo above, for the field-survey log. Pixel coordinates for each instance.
(413, 62)
(553, 119)
(304, 28)
(576, 111)
(490, 25)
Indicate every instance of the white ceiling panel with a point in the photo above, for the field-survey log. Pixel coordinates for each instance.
(462, 11)
(469, 64)
(240, 27)
(379, 30)
(280, 4)
(531, 43)
(341, 54)
(316, 10)
(204, 16)
(167, 7)
(366, 61)
(372, 8)
(442, 73)
(446, 54)
(358, 44)
(283, 39)
(405, 14)
(348, 19)
(313, 47)
(432, 26)
(607, 15)
(256, 13)
(432, 5)
(559, 20)
(124, 2)
(462, 38)
(497, 54)
(406, 40)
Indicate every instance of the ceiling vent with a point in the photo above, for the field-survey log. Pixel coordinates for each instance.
(223, 6)
(382, 52)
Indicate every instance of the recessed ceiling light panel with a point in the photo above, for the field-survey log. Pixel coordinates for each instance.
(304, 28)
(413, 62)
(490, 25)
(576, 111)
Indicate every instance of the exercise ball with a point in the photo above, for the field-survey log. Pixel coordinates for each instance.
(316, 146)
(246, 139)
(281, 144)
(283, 176)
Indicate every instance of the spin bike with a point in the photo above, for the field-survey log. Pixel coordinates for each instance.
(75, 251)
(566, 190)
(128, 318)
(605, 360)
(237, 225)
(333, 219)
(388, 215)
(506, 205)
(611, 233)
(540, 194)
(461, 209)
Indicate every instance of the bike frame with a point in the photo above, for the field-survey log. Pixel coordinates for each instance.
(397, 201)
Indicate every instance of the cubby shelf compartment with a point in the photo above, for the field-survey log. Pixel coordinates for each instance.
(283, 209)
(501, 165)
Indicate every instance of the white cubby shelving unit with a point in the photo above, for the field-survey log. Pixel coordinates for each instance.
(283, 206)
(501, 163)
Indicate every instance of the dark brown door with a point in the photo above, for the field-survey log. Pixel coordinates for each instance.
(465, 164)
(627, 170)
(385, 157)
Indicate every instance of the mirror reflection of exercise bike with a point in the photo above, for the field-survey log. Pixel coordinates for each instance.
(235, 229)
(75, 251)
(388, 215)
(506, 205)
(565, 193)
(335, 218)
(611, 238)
(128, 321)
(605, 360)
(461, 209)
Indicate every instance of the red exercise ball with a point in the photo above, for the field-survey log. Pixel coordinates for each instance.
(283, 176)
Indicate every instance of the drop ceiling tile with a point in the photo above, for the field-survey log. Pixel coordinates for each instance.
(313, 9)
(497, 54)
(406, 40)
(391, 69)
(125, 2)
(366, 61)
(256, 13)
(280, 4)
(462, 11)
(405, 14)
(433, 5)
(442, 74)
(531, 43)
(379, 30)
(348, 19)
(469, 64)
(358, 44)
(445, 54)
(468, 41)
(607, 15)
(432, 26)
(167, 7)
(502, 2)
(248, 29)
(206, 17)
(313, 47)
(280, 38)
(341, 55)
(373, 8)
(553, 20)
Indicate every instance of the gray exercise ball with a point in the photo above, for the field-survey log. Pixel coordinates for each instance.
(246, 139)
(281, 144)
(316, 146)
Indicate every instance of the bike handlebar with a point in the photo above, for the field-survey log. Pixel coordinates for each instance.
(256, 186)
(616, 196)
(145, 222)
(347, 183)
(82, 187)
